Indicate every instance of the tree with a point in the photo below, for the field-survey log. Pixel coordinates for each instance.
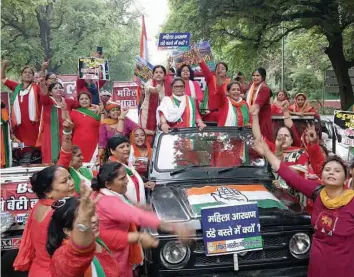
(262, 23)
(63, 30)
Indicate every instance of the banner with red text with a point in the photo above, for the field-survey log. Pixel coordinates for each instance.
(124, 93)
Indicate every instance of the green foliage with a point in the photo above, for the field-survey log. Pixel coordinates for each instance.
(64, 30)
(247, 34)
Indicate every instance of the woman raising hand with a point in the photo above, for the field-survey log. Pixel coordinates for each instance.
(332, 216)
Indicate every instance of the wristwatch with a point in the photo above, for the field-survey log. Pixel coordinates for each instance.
(82, 227)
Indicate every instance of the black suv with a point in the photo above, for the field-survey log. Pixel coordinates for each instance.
(215, 159)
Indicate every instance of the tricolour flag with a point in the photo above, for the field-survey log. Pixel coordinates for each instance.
(143, 54)
(143, 42)
(231, 195)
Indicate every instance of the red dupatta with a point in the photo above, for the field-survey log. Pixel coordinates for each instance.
(135, 147)
(306, 108)
(26, 252)
(151, 123)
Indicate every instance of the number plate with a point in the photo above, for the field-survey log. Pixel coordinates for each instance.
(8, 244)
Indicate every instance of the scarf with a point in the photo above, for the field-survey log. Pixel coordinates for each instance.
(5, 139)
(135, 188)
(252, 94)
(95, 269)
(54, 133)
(277, 103)
(204, 105)
(136, 151)
(193, 90)
(89, 112)
(177, 109)
(154, 102)
(235, 114)
(337, 202)
(83, 174)
(306, 108)
(26, 253)
(109, 121)
(136, 254)
(33, 109)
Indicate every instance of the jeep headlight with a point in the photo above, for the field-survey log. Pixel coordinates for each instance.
(299, 245)
(6, 221)
(175, 254)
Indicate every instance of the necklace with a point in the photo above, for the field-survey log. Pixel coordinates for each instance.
(143, 152)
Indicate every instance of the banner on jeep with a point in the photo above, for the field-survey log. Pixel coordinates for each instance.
(182, 56)
(344, 124)
(124, 93)
(93, 69)
(209, 196)
(18, 199)
(231, 229)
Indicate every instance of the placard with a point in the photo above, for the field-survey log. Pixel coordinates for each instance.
(124, 93)
(231, 229)
(143, 69)
(185, 56)
(174, 40)
(344, 124)
(69, 84)
(93, 69)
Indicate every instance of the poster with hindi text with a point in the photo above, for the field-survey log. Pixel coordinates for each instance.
(93, 69)
(124, 93)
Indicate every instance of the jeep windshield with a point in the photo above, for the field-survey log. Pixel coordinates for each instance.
(210, 148)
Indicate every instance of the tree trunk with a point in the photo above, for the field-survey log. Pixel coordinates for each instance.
(336, 56)
(44, 15)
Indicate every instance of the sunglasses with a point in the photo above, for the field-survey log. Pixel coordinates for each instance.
(59, 203)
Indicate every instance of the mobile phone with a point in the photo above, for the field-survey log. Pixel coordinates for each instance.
(99, 50)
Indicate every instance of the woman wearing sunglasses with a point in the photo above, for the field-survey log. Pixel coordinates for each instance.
(178, 110)
(49, 184)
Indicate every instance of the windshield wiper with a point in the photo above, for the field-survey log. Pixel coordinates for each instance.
(183, 169)
(234, 167)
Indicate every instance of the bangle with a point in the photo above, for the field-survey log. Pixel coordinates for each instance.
(67, 133)
(121, 118)
(139, 238)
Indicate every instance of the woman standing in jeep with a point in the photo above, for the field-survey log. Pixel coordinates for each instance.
(25, 105)
(332, 216)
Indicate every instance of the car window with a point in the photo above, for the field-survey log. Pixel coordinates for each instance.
(215, 149)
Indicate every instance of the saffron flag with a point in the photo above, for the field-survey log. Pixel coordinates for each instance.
(209, 196)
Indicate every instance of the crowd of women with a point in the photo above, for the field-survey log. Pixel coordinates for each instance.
(90, 223)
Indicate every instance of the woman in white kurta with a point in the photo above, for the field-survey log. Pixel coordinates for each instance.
(119, 148)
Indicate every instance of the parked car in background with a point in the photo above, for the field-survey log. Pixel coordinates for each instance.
(332, 139)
